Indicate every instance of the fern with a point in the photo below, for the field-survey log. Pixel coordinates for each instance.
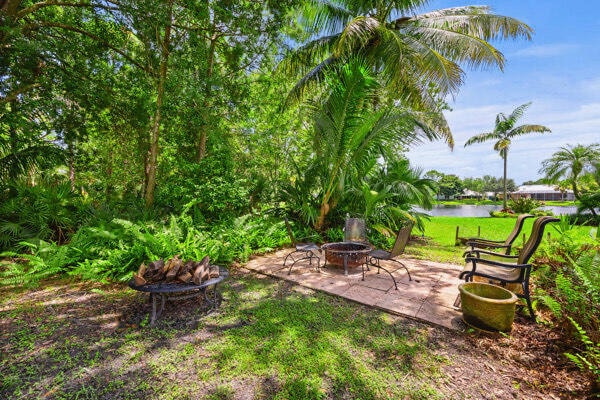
(587, 270)
(553, 305)
(589, 359)
(46, 260)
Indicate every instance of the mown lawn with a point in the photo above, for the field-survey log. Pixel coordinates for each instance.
(438, 242)
(268, 340)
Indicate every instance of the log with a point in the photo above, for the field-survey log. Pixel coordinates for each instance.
(173, 270)
(138, 279)
(185, 278)
(187, 267)
(201, 271)
(213, 271)
(142, 269)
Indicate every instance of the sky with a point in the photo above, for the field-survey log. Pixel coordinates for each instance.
(558, 71)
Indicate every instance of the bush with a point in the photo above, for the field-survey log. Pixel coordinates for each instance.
(115, 249)
(524, 205)
(47, 211)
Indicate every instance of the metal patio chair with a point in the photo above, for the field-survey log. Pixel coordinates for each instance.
(355, 230)
(306, 250)
(480, 243)
(376, 256)
(504, 268)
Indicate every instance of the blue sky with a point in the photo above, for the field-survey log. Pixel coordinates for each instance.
(558, 71)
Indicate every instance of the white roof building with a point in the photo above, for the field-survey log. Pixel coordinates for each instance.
(542, 192)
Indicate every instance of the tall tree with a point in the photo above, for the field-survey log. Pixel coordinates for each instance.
(572, 162)
(418, 55)
(503, 134)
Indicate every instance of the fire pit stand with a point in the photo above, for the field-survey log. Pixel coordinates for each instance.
(177, 291)
(347, 254)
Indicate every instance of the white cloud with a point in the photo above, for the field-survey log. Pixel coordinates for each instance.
(576, 124)
(547, 50)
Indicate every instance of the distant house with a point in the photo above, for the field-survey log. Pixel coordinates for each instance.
(542, 193)
(469, 194)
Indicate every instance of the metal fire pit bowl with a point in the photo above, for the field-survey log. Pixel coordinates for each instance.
(346, 254)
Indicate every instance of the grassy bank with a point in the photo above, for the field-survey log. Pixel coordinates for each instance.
(437, 243)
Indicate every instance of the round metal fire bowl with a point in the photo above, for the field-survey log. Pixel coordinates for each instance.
(346, 254)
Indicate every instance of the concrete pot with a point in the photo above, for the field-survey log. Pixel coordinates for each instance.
(487, 307)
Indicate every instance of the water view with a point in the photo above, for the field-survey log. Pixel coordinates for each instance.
(470, 210)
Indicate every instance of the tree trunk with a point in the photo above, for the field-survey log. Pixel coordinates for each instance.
(152, 159)
(71, 167)
(323, 211)
(203, 129)
(504, 206)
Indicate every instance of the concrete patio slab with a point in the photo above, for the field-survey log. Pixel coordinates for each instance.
(428, 297)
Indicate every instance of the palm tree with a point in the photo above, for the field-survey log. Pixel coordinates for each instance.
(504, 131)
(417, 56)
(572, 162)
(388, 193)
(350, 133)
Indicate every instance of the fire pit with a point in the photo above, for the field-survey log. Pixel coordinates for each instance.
(346, 254)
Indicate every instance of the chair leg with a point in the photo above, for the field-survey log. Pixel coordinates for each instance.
(308, 255)
(378, 265)
(527, 297)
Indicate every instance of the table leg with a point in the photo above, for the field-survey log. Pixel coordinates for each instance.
(346, 264)
(155, 314)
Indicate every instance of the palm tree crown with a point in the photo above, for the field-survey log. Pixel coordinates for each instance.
(417, 55)
(571, 162)
(503, 133)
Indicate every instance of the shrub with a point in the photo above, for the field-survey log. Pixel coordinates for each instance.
(51, 212)
(524, 205)
(115, 249)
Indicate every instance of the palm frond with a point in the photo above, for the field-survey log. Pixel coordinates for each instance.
(518, 113)
(479, 22)
(529, 128)
(481, 138)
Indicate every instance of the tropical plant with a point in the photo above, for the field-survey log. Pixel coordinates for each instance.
(387, 195)
(350, 132)
(524, 205)
(503, 133)
(47, 211)
(588, 360)
(571, 163)
(417, 54)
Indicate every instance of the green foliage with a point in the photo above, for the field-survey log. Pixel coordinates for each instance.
(113, 250)
(587, 360)
(524, 205)
(587, 270)
(47, 211)
(43, 260)
(217, 192)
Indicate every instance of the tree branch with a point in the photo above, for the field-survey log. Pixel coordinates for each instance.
(93, 37)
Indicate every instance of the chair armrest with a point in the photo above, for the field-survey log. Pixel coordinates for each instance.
(476, 260)
(478, 252)
(480, 240)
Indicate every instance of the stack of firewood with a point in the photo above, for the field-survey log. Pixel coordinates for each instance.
(175, 270)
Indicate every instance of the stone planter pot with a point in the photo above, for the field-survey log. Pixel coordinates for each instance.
(487, 307)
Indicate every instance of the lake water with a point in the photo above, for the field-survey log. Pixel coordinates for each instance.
(468, 210)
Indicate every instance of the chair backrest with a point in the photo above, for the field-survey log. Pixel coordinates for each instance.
(355, 230)
(537, 233)
(289, 231)
(402, 239)
(517, 229)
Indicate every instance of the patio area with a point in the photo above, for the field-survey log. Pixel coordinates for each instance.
(428, 297)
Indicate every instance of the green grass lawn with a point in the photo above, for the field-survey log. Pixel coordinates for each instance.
(440, 233)
(269, 340)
